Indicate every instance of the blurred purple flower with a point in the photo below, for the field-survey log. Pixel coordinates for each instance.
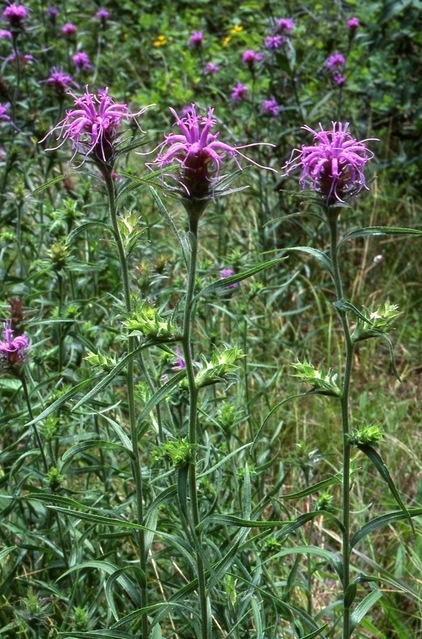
(284, 25)
(353, 24)
(52, 13)
(335, 62)
(60, 81)
(102, 14)
(228, 272)
(180, 361)
(3, 111)
(274, 42)
(81, 61)
(5, 34)
(270, 108)
(15, 14)
(196, 40)
(69, 30)
(13, 351)
(92, 126)
(334, 165)
(239, 92)
(339, 79)
(251, 58)
(211, 68)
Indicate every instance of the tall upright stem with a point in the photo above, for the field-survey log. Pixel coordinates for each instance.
(136, 460)
(345, 415)
(193, 415)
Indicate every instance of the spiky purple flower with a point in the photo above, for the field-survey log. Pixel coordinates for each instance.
(200, 155)
(103, 15)
(333, 165)
(274, 42)
(211, 68)
(15, 14)
(284, 25)
(335, 62)
(239, 92)
(81, 61)
(92, 126)
(69, 30)
(196, 40)
(59, 81)
(270, 108)
(339, 79)
(353, 24)
(251, 58)
(13, 350)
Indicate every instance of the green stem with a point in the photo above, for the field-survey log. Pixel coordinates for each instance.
(34, 426)
(193, 415)
(136, 460)
(345, 414)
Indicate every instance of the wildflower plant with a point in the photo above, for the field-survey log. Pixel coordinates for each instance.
(334, 167)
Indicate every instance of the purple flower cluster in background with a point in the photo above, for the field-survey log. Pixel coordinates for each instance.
(239, 92)
(228, 272)
(81, 61)
(196, 40)
(274, 42)
(284, 25)
(270, 108)
(211, 68)
(333, 165)
(59, 81)
(251, 58)
(335, 64)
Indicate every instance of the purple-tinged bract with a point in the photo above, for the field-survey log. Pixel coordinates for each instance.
(333, 166)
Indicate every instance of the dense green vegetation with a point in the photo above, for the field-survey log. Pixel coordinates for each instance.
(143, 496)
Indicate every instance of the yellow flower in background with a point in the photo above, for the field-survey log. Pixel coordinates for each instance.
(161, 41)
(237, 28)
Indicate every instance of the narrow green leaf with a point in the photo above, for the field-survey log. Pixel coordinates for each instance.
(110, 376)
(315, 633)
(313, 489)
(377, 461)
(160, 394)
(46, 185)
(238, 277)
(383, 520)
(372, 231)
(163, 210)
(363, 607)
(63, 399)
(322, 258)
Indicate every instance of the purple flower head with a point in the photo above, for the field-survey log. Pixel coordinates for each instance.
(103, 15)
(333, 165)
(228, 272)
(284, 25)
(180, 361)
(60, 81)
(5, 34)
(15, 14)
(274, 42)
(239, 92)
(211, 69)
(196, 40)
(81, 61)
(92, 126)
(251, 58)
(3, 111)
(13, 351)
(69, 30)
(335, 62)
(52, 13)
(270, 108)
(353, 24)
(339, 79)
